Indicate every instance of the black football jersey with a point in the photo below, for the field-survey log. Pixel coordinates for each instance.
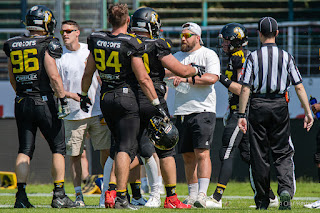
(235, 62)
(112, 54)
(155, 48)
(27, 58)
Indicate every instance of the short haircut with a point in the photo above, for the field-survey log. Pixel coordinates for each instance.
(118, 14)
(270, 34)
(71, 22)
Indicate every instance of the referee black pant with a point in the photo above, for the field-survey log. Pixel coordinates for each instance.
(269, 131)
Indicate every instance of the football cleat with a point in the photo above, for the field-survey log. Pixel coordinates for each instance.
(140, 202)
(123, 204)
(213, 203)
(22, 201)
(314, 205)
(79, 200)
(173, 202)
(61, 200)
(201, 200)
(153, 202)
(110, 198)
(285, 201)
(190, 200)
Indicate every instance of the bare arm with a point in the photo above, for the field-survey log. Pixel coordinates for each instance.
(243, 100)
(171, 63)
(235, 87)
(302, 95)
(205, 80)
(88, 73)
(143, 78)
(11, 76)
(53, 74)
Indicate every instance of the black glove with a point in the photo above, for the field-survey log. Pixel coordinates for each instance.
(162, 112)
(84, 100)
(201, 69)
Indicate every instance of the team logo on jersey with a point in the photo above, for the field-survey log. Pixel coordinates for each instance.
(239, 32)
(154, 17)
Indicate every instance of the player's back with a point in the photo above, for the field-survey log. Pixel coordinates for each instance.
(27, 58)
(112, 54)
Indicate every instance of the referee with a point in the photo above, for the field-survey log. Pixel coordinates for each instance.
(268, 73)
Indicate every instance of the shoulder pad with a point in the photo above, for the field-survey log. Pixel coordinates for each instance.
(55, 49)
(164, 43)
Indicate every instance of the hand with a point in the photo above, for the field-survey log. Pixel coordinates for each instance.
(75, 97)
(315, 108)
(64, 109)
(163, 113)
(200, 69)
(242, 124)
(84, 100)
(308, 122)
(176, 80)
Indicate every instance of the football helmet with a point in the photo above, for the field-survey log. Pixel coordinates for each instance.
(236, 33)
(40, 18)
(163, 135)
(147, 20)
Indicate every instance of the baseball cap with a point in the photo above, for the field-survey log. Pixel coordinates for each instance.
(267, 25)
(193, 27)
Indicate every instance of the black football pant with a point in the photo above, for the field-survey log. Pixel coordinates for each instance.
(269, 132)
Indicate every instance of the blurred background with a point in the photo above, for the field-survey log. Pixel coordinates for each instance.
(299, 25)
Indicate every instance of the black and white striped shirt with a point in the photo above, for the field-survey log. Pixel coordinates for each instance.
(270, 70)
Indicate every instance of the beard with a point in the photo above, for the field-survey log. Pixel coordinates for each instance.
(188, 47)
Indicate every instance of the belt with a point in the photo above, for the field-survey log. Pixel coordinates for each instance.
(267, 95)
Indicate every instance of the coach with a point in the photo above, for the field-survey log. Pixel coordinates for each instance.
(268, 73)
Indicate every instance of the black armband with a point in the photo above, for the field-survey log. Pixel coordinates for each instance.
(241, 115)
(193, 80)
(225, 81)
(55, 49)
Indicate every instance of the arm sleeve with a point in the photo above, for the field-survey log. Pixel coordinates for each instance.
(294, 71)
(163, 47)
(247, 71)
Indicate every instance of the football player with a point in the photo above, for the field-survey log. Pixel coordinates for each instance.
(34, 77)
(146, 25)
(233, 38)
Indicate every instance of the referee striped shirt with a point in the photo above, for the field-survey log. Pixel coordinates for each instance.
(270, 70)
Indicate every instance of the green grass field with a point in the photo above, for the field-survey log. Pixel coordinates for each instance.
(237, 198)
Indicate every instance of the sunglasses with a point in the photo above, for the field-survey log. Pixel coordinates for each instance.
(186, 35)
(67, 31)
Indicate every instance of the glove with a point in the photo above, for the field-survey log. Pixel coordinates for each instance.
(64, 109)
(84, 100)
(163, 113)
(200, 69)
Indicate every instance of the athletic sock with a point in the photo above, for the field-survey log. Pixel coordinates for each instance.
(106, 173)
(77, 189)
(122, 194)
(59, 185)
(217, 195)
(112, 186)
(193, 190)
(21, 187)
(271, 194)
(203, 185)
(152, 174)
(135, 188)
(171, 190)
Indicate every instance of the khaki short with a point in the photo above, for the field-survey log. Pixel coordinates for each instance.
(76, 132)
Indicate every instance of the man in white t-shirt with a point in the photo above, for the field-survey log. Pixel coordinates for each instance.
(78, 123)
(196, 113)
